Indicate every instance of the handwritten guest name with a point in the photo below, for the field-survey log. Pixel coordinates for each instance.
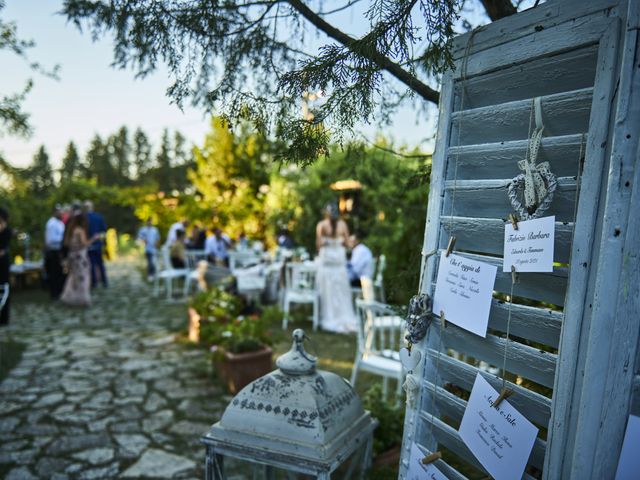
(464, 267)
(516, 237)
(507, 416)
(521, 251)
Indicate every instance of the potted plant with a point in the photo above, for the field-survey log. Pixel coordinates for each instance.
(241, 351)
(209, 309)
(240, 344)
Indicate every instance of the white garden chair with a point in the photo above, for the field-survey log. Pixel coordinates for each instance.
(197, 266)
(300, 287)
(168, 274)
(378, 280)
(196, 276)
(380, 333)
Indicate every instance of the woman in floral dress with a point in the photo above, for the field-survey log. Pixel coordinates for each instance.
(77, 287)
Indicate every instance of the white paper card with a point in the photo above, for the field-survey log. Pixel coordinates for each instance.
(629, 463)
(463, 292)
(418, 471)
(530, 248)
(501, 439)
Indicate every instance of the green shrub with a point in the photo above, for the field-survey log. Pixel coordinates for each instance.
(391, 418)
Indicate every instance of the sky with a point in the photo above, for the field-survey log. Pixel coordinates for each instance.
(92, 97)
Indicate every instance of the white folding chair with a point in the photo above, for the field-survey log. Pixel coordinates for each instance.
(300, 287)
(380, 333)
(378, 280)
(196, 268)
(168, 274)
(367, 290)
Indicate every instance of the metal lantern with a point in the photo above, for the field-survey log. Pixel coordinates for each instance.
(293, 420)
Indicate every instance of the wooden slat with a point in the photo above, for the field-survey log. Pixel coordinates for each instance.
(536, 406)
(539, 325)
(563, 114)
(535, 45)
(486, 235)
(450, 438)
(500, 160)
(488, 199)
(528, 362)
(545, 287)
(443, 466)
(547, 15)
(453, 407)
(565, 71)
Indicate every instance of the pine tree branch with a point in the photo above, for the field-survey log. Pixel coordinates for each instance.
(383, 62)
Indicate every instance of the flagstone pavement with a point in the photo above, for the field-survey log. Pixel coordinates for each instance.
(105, 392)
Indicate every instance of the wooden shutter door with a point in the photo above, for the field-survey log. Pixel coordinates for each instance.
(566, 53)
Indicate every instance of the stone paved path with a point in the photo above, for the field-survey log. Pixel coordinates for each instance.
(104, 392)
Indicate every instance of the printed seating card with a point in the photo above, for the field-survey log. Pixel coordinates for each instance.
(418, 471)
(629, 462)
(500, 438)
(464, 288)
(530, 248)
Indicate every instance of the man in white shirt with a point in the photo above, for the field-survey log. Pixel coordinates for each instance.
(150, 236)
(173, 230)
(53, 243)
(361, 262)
(216, 247)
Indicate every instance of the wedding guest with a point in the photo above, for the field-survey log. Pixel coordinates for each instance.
(66, 213)
(77, 286)
(177, 251)
(216, 247)
(150, 236)
(197, 238)
(173, 229)
(5, 264)
(361, 262)
(285, 240)
(53, 238)
(96, 230)
(243, 243)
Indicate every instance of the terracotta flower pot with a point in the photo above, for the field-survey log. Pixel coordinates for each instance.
(237, 370)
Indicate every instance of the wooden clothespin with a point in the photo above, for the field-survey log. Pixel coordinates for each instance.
(452, 243)
(443, 319)
(505, 393)
(514, 275)
(431, 458)
(514, 220)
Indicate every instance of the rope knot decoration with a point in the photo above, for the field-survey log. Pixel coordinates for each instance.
(418, 318)
(537, 181)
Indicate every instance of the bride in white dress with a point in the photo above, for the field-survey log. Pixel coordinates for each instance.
(336, 308)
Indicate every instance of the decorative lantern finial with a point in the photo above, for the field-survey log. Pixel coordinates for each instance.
(297, 361)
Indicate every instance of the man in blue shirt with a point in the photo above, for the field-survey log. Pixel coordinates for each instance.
(97, 226)
(361, 262)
